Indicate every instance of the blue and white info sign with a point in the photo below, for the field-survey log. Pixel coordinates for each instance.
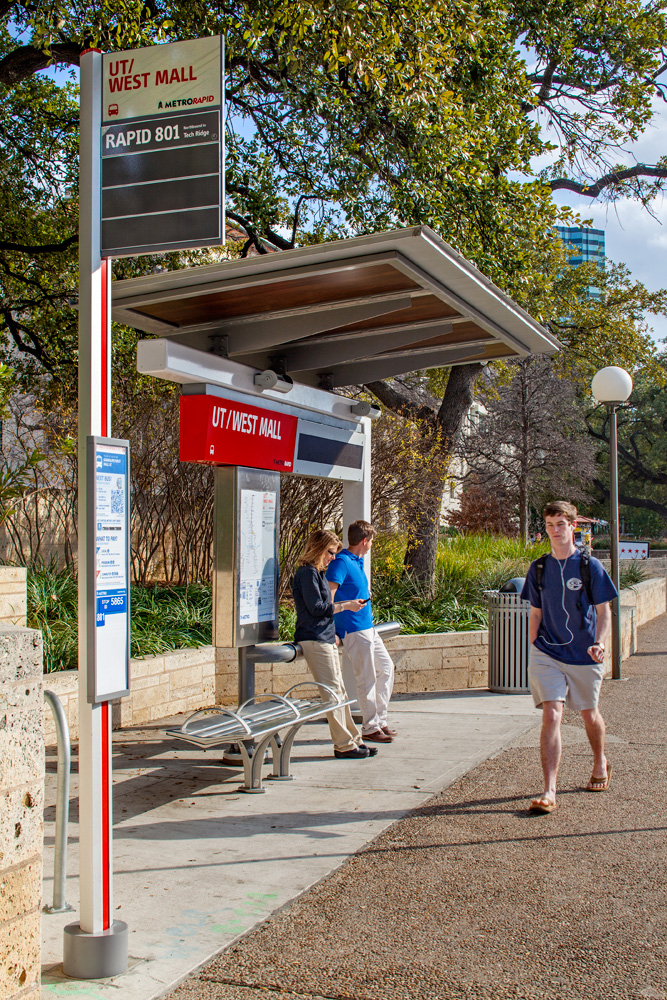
(108, 562)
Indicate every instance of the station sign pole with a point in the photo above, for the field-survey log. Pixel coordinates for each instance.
(96, 947)
(151, 180)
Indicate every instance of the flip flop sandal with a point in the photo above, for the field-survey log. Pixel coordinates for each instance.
(541, 805)
(602, 782)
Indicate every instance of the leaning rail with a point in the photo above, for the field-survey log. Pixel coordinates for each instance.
(62, 804)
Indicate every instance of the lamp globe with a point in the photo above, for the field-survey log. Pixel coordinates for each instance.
(612, 385)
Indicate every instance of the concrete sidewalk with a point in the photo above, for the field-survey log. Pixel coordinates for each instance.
(471, 896)
(198, 864)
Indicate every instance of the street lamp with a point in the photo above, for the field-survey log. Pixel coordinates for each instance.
(612, 386)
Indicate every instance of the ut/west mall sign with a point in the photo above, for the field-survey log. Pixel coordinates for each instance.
(162, 148)
(219, 428)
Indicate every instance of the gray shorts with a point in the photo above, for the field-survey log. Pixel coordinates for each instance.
(578, 685)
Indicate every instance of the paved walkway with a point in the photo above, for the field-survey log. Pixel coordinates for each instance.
(472, 897)
(198, 864)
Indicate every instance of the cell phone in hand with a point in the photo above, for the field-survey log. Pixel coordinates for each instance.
(364, 600)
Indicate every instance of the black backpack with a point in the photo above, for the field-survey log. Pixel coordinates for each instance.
(584, 572)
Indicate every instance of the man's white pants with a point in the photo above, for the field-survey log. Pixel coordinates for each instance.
(374, 673)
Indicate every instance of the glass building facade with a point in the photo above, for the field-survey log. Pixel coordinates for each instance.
(585, 245)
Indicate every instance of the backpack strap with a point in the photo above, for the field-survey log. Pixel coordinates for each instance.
(539, 571)
(585, 572)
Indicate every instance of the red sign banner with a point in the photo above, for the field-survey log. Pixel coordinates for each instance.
(217, 431)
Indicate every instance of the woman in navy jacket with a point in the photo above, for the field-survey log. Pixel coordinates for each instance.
(315, 632)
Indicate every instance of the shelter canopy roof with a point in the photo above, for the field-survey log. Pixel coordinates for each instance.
(342, 313)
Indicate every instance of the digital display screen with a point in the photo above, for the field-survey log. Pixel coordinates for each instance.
(324, 451)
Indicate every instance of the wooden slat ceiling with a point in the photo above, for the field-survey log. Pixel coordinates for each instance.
(339, 313)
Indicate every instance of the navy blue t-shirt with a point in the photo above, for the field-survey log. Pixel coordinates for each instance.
(569, 619)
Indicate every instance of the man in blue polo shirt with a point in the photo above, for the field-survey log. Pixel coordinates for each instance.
(569, 619)
(373, 667)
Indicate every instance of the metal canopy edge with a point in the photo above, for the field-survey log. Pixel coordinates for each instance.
(392, 303)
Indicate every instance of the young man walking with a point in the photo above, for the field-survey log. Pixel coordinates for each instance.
(569, 594)
(373, 667)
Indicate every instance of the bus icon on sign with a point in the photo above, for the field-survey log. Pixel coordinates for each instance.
(112, 110)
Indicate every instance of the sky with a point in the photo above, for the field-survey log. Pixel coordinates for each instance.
(632, 235)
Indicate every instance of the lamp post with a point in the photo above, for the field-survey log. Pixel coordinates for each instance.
(612, 386)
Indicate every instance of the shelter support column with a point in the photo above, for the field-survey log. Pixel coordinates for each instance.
(357, 507)
(357, 495)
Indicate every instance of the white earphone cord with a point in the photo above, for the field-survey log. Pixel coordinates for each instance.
(561, 566)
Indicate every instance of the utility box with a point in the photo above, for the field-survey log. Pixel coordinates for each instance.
(508, 642)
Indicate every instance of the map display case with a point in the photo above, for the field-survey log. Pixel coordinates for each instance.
(245, 589)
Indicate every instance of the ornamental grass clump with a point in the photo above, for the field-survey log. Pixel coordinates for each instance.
(52, 608)
(163, 618)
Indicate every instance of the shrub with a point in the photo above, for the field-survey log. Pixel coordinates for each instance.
(163, 618)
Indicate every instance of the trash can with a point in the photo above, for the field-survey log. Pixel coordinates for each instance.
(508, 640)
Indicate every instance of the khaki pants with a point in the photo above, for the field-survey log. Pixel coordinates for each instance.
(324, 664)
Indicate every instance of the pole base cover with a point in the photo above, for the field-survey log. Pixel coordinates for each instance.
(95, 956)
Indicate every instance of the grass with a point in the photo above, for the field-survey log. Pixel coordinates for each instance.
(466, 567)
(167, 618)
(163, 618)
(52, 607)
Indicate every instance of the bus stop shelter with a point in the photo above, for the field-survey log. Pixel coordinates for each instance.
(335, 314)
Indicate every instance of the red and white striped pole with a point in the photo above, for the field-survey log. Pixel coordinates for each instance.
(96, 947)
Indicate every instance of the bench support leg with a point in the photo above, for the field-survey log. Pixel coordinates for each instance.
(282, 760)
(276, 755)
(252, 766)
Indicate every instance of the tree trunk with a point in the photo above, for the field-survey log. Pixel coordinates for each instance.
(442, 432)
(423, 518)
(523, 514)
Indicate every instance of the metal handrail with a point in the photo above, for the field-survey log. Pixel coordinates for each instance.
(62, 804)
(273, 652)
(388, 630)
(287, 652)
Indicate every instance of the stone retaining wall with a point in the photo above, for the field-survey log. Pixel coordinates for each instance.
(13, 598)
(649, 598)
(22, 797)
(652, 567)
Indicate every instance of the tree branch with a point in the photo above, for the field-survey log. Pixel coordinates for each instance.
(608, 180)
(625, 498)
(545, 80)
(36, 352)
(40, 247)
(27, 60)
(632, 461)
(403, 401)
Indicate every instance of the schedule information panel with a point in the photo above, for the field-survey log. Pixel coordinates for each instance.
(109, 659)
(257, 570)
(162, 148)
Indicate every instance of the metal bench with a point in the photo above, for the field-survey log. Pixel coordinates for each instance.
(260, 718)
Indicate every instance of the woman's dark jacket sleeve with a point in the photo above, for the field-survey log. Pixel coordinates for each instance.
(314, 606)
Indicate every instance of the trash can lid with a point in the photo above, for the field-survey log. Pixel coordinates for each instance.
(513, 586)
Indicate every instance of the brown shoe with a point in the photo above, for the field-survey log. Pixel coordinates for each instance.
(377, 737)
(388, 732)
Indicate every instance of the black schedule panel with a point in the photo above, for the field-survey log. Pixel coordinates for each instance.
(162, 184)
